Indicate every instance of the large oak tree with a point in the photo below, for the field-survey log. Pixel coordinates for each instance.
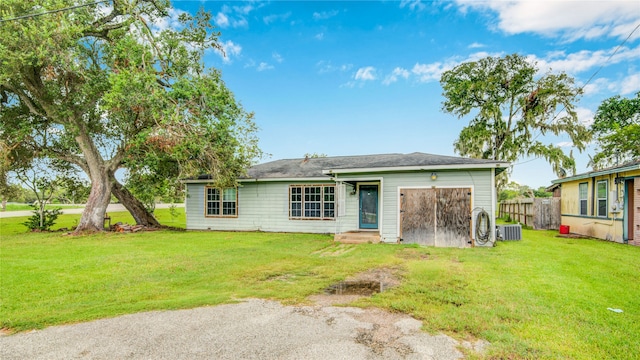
(616, 128)
(101, 87)
(512, 108)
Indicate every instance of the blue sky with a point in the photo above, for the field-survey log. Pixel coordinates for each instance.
(362, 77)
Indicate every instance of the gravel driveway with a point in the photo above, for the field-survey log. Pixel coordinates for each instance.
(254, 329)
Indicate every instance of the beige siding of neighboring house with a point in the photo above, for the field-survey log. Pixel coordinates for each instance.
(635, 212)
(570, 198)
(610, 227)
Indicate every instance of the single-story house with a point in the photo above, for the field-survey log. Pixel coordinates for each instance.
(604, 204)
(394, 198)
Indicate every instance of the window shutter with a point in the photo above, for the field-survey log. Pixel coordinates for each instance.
(342, 199)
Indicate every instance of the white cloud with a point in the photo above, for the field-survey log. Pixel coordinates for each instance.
(413, 4)
(264, 66)
(568, 19)
(565, 144)
(630, 84)
(431, 72)
(624, 85)
(325, 14)
(366, 74)
(245, 10)
(276, 17)
(585, 116)
(232, 16)
(327, 67)
(230, 49)
(277, 57)
(250, 63)
(345, 67)
(240, 22)
(585, 60)
(170, 22)
(395, 74)
(221, 20)
(595, 86)
(319, 36)
(476, 45)
(349, 84)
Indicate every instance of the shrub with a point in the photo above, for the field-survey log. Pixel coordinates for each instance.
(49, 217)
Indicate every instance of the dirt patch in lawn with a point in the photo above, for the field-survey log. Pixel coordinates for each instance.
(360, 285)
(414, 254)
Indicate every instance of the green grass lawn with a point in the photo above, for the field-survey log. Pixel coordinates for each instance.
(19, 207)
(542, 297)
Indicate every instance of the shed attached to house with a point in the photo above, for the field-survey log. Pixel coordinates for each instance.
(604, 204)
(409, 198)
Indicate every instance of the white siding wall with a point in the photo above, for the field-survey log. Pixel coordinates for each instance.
(349, 222)
(264, 206)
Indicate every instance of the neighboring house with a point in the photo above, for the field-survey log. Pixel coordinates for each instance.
(409, 198)
(604, 204)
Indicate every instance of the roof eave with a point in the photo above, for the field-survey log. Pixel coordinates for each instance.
(596, 174)
(497, 165)
(248, 180)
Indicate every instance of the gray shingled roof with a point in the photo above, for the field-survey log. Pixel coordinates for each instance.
(313, 167)
(629, 166)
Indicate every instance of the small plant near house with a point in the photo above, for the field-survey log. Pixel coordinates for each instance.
(173, 211)
(42, 219)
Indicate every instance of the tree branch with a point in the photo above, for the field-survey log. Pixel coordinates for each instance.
(26, 100)
(116, 160)
(115, 12)
(74, 159)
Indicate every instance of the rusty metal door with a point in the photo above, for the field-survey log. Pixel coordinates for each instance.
(435, 216)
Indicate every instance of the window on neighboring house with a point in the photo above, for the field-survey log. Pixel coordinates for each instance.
(601, 198)
(312, 201)
(583, 190)
(221, 202)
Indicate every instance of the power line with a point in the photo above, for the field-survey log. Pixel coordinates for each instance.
(585, 84)
(52, 11)
(611, 56)
(596, 72)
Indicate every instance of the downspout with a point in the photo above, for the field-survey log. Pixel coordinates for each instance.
(494, 199)
(336, 211)
(593, 195)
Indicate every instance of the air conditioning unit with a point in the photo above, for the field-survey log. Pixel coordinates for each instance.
(509, 232)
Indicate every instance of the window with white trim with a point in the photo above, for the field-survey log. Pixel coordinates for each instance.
(312, 201)
(601, 198)
(583, 196)
(221, 202)
(329, 202)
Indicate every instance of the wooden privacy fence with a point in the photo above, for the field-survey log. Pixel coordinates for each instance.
(540, 213)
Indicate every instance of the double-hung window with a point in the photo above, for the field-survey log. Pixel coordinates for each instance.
(601, 198)
(312, 201)
(583, 195)
(221, 202)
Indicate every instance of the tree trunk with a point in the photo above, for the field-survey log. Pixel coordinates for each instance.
(92, 219)
(135, 207)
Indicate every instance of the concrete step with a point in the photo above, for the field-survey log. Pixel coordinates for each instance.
(360, 237)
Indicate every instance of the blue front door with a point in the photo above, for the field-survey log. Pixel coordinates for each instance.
(369, 206)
